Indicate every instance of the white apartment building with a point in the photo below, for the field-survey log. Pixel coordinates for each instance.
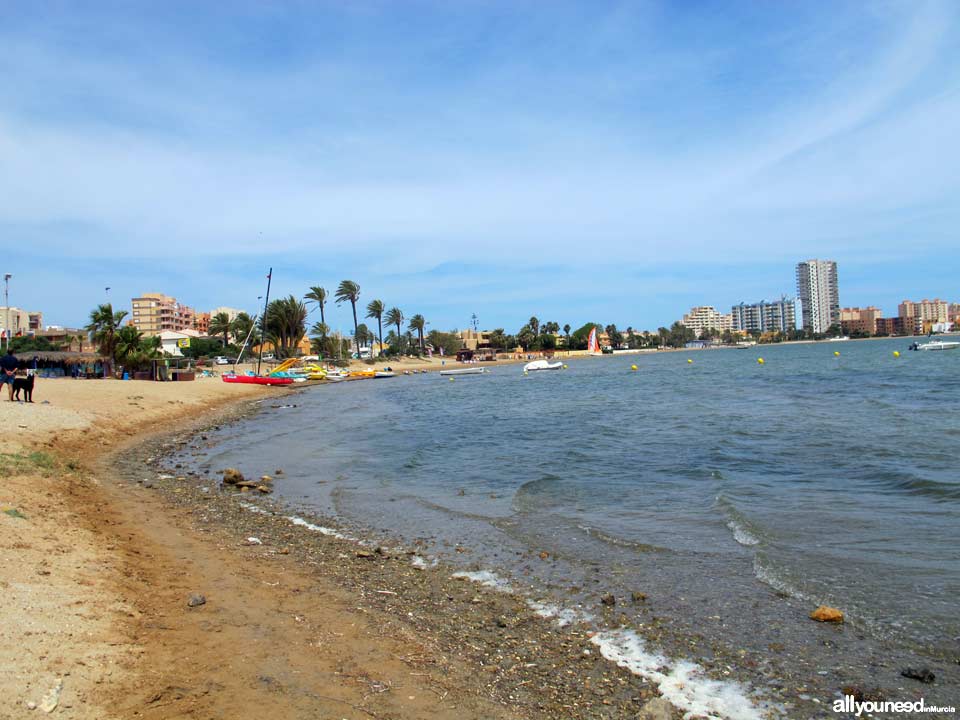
(703, 317)
(778, 316)
(819, 294)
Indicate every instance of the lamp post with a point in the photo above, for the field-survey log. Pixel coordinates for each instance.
(6, 303)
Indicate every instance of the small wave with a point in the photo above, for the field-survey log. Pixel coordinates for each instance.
(545, 491)
(684, 684)
(744, 532)
(563, 616)
(318, 528)
(485, 578)
(421, 563)
(767, 574)
(619, 542)
(921, 486)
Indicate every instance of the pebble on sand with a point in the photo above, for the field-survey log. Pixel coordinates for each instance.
(196, 600)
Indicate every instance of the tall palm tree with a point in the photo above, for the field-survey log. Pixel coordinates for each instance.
(375, 310)
(241, 326)
(395, 317)
(418, 323)
(220, 324)
(318, 295)
(349, 290)
(104, 324)
(318, 335)
(286, 324)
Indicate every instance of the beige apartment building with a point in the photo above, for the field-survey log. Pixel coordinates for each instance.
(925, 311)
(20, 322)
(154, 313)
(860, 320)
(703, 317)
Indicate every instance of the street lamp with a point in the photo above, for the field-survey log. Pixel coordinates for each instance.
(6, 303)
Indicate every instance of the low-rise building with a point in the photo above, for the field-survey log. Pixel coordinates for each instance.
(172, 342)
(475, 339)
(20, 322)
(707, 317)
(154, 313)
(860, 320)
(899, 326)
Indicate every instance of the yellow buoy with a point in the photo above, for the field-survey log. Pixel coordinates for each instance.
(564, 367)
(633, 367)
(452, 379)
(760, 361)
(836, 353)
(689, 360)
(896, 353)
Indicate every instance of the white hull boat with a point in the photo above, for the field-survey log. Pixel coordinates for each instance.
(542, 365)
(465, 371)
(384, 374)
(936, 345)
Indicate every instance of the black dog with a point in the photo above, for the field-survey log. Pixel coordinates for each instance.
(25, 384)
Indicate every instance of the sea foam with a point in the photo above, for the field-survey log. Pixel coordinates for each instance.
(486, 578)
(682, 683)
(562, 616)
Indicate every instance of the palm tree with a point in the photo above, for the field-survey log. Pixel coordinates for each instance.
(375, 310)
(104, 324)
(318, 335)
(319, 296)
(418, 323)
(566, 331)
(241, 326)
(349, 290)
(286, 324)
(395, 317)
(220, 323)
(534, 325)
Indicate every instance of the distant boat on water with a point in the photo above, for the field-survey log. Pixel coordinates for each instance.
(936, 345)
(838, 339)
(542, 365)
(465, 371)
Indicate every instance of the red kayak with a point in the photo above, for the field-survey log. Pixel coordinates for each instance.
(256, 380)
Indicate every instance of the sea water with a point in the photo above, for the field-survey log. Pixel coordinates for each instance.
(737, 496)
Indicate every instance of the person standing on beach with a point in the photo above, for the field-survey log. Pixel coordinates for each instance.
(8, 369)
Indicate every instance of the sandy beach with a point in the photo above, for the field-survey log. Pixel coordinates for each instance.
(134, 591)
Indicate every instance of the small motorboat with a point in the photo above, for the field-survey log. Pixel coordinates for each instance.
(384, 374)
(542, 365)
(936, 345)
(256, 380)
(465, 371)
(336, 376)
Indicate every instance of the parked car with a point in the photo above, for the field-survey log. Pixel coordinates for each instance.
(221, 360)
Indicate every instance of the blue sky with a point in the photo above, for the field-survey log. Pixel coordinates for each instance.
(581, 161)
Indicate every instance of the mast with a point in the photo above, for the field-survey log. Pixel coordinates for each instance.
(263, 326)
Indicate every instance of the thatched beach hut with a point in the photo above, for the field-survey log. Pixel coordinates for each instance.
(63, 363)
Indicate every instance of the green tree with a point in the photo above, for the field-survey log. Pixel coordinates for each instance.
(418, 323)
(133, 350)
(679, 335)
(534, 325)
(220, 325)
(104, 324)
(526, 337)
(241, 326)
(349, 290)
(498, 339)
(450, 342)
(318, 295)
(395, 317)
(616, 338)
(375, 309)
(319, 341)
(286, 320)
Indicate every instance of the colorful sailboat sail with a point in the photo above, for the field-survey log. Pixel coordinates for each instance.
(593, 346)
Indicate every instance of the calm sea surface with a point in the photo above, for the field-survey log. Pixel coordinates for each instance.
(736, 495)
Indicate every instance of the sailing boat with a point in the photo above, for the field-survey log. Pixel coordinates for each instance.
(593, 346)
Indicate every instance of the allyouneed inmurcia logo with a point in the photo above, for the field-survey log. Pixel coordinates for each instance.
(851, 705)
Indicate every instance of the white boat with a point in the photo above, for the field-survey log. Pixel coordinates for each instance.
(838, 339)
(465, 371)
(936, 345)
(542, 365)
(336, 376)
(384, 373)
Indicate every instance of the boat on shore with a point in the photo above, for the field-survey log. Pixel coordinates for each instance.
(384, 374)
(936, 345)
(542, 365)
(465, 371)
(256, 380)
